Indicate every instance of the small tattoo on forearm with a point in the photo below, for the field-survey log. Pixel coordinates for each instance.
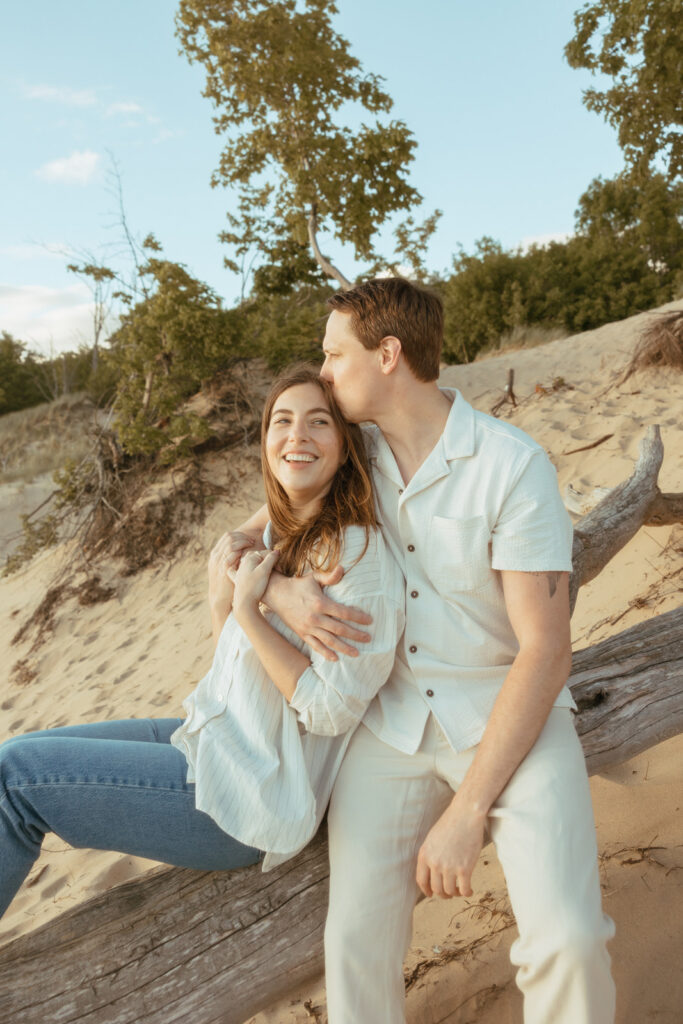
(552, 579)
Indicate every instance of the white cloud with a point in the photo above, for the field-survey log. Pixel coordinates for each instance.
(123, 108)
(50, 319)
(78, 169)
(61, 94)
(541, 241)
(163, 135)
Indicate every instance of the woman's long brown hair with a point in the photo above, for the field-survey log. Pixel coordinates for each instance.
(317, 542)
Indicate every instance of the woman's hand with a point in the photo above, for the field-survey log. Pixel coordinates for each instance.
(225, 555)
(251, 581)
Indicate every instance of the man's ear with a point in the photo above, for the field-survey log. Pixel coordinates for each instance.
(389, 352)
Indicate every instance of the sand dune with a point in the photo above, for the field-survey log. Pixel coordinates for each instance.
(142, 651)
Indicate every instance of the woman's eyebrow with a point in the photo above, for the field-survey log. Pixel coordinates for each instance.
(308, 411)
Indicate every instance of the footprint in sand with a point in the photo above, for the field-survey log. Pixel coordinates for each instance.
(7, 704)
(122, 677)
(54, 888)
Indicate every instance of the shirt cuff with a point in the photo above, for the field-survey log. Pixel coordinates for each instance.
(305, 691)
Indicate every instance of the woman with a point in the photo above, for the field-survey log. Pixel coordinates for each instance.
(250, 770)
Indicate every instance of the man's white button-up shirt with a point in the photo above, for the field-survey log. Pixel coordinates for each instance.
(485, 499)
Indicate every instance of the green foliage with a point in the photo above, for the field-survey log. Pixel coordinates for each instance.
(283, 329)
(19, 386)
(278, 74)
(627, 256)
(166, 345)
(36, 536)
(639, 44)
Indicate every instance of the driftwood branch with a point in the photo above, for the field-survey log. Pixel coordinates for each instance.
(587, 447)
(508, 394)
(636, 502)
(209, 947)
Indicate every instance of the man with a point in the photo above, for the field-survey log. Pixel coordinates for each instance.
(473, 732)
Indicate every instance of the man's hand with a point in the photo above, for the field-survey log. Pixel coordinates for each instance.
(449, 853)
(320, 622)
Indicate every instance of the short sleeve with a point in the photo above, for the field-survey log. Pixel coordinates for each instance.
(533, 531)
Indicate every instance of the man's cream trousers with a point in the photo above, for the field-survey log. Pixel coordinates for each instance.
(384, 803)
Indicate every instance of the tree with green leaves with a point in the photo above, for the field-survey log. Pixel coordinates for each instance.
(639, 44)
(626, 256)
(168, 343)
(279, 77)
(19, 385)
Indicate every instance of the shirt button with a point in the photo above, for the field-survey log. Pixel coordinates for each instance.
(413, 593)
(411, 547)
(412, 648)
(430, 693)
(400, 490)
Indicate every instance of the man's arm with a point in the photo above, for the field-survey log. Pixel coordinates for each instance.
(320, 622)
(538, 608)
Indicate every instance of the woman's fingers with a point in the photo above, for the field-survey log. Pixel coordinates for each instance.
(228, 549)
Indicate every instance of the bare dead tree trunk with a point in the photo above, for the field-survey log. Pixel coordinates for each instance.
(327, 268)
(149, 379)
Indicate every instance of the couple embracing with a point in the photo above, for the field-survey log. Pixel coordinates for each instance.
(421, 695)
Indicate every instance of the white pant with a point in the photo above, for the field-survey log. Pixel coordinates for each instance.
(384, 803)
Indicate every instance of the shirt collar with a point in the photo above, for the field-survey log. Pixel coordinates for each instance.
(456, 442)
(458, 435)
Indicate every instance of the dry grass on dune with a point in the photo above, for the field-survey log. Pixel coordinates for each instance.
(521, 337)
(41, 439)
(660, 345)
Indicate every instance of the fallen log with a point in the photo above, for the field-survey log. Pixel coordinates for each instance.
(609, 526)
(214, 948)
(208, 947)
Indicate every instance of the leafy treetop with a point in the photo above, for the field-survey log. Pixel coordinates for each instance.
(639, 44)
(277, 74)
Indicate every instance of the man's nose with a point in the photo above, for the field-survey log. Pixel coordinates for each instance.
(325, 373)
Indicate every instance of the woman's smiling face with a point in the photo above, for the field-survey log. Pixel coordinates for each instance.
(303, 446)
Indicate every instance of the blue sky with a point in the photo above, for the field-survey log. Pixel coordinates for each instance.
(505, 146)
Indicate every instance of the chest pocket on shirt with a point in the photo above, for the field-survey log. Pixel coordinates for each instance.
(459, 558)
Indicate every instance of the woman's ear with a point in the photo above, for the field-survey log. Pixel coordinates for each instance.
(389, 353)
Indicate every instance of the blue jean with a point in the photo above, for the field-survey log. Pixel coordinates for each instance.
(107, 786)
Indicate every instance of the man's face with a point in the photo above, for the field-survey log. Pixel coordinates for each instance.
(351, 369)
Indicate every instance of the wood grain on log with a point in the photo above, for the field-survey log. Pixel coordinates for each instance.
(210, 947)
(603, 531)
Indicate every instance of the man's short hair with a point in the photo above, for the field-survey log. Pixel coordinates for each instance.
(394, 306)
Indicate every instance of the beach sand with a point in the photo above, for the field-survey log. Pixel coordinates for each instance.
(142, 651)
